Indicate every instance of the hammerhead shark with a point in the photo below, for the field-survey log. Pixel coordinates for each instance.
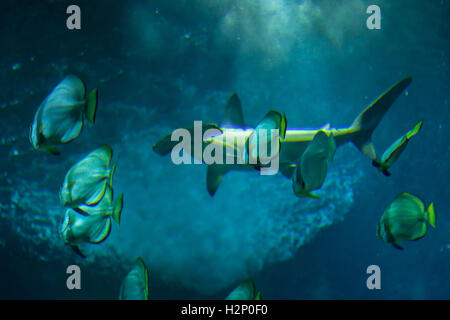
(292, 141)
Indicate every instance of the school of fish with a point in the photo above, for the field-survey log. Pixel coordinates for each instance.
(304, 155)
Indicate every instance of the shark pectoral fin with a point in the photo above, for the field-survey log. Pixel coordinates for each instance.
(214, 175)
(164, 145)
(287, 170)
(233, 113)
(78, 251)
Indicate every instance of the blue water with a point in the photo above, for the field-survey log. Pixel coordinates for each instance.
(160, 65)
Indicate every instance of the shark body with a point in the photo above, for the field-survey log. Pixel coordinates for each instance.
(293, 141)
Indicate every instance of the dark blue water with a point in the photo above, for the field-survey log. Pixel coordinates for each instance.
(159, 65)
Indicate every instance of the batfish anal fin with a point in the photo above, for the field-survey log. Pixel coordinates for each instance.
(78, 251)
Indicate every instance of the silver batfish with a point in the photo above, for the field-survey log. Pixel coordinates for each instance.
(312, 167)
(86, 181)
(244, 291)
(135, 285)
(60, 117)
(94, 224)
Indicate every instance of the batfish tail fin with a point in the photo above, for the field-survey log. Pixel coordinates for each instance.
(117, 211)
(431, 215)
(368, 120)
(111, 173)
(91, 105)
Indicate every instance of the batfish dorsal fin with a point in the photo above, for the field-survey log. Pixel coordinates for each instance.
(233, 113)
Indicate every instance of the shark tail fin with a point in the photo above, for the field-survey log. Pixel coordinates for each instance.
(370, 117)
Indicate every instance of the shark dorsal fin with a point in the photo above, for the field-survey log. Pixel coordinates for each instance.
(233, 113)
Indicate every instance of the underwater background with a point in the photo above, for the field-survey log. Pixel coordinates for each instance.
(160, 65)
